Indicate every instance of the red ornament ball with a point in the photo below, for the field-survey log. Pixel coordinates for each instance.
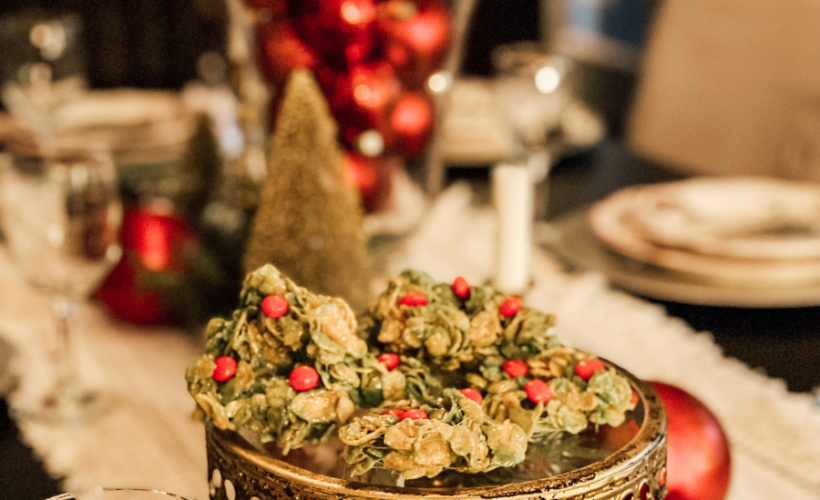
(304, 378)
(698, 455)
(153, 241)
(390, 360)
(415, 414)
(538, 391)
(411, 122)
(225, 368)
(275, 306)
(473, 394)
(413, 299)
(372, 177)
(510, 307)
(516, 368)
(461, 288)
(586, 368)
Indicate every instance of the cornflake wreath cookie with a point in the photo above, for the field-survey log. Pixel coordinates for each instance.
(433, 377)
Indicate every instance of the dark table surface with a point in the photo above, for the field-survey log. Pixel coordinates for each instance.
(784, 343)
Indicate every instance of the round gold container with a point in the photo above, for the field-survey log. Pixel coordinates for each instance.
(239, 471)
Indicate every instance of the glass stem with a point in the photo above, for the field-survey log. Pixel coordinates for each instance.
(67, 380)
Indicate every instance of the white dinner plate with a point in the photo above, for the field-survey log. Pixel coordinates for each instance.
(571, 239)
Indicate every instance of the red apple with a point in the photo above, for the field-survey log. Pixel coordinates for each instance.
(698, 457)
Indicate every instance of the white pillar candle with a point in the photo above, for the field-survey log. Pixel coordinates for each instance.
(513, 201)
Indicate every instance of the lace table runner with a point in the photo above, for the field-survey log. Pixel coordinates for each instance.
(146, 437)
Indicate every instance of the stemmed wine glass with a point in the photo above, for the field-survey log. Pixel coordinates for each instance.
(533, 93)
(104, 493)
(61, 214)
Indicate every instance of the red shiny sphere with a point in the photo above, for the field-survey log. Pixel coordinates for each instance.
(516, 368)
(411, 122)
(225, 368)
(280, 51)
(372, 177)
(152, 242)
(304, 378)
(538, 391)
(415, 37)
(390, 360)
(415, 414)
(510, 307)
(586, 368)
(359, 97)
(341, 31)
(275, 306)
(698, 455)
(461, 288)
(473, 394)
(413, 299)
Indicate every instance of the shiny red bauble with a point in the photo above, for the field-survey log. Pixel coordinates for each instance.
(341, 31)
(698, 454)
(415, 37)
(280, 51)
(152, 242)
(359, 99)
(372, 177)
(411, 123)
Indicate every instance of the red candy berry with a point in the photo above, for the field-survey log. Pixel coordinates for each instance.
(304, 378)
(587, 367)
(416, 414)
(510, 307)
(390, 360)
(538, 391)
(275, 306)
(414, 299)
(225, 369)
(393, 411)
(473, 394)
(461, 288)
(516, 368)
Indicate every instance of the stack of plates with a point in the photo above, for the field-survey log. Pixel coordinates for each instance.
(141, 126)
(738, 241)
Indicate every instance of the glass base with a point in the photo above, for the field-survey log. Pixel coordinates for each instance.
(69, 407)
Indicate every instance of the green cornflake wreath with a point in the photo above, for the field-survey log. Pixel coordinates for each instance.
(432, 377)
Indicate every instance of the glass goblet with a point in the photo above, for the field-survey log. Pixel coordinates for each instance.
(61, 214)
(104, 493)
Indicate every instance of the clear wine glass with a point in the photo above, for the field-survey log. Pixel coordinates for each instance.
(533, 93)
(104, 493)
(61, 214)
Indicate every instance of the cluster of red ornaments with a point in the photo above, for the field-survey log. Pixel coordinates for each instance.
(372, 59)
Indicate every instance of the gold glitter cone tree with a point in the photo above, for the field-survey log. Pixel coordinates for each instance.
(309, 220)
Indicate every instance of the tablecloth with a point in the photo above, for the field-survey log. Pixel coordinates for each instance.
(147, 438)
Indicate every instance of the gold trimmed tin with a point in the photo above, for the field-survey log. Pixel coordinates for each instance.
(239, 471)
